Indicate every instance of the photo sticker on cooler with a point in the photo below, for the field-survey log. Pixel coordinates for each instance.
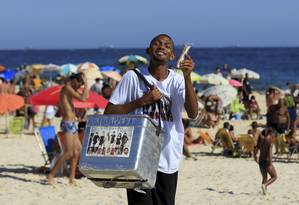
(109, 141)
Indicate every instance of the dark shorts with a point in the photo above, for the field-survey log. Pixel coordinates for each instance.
(263, 163)
(280, 127)
(162, 194)
(68, 127)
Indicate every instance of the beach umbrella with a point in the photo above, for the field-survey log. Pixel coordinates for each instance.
(91, 70)
(2, 68)
(8, 75)
(35, 68)
(67, 69)
(225, 92)
(133, 58)
(113, 75)
(50, 67)
(195, 77)
(10, 102)
(87, 66)
(109, 68)
(50, 96)
(240, 74)
(235, 83)
(213, 79)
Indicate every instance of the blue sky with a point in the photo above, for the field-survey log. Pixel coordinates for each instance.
(132, 23)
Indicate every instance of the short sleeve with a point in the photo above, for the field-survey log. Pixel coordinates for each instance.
(180, 89)
(125, 88)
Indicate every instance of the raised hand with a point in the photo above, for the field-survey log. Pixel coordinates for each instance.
(187, 65)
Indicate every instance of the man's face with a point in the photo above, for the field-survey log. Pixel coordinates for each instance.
(77, 83)
(161, 49)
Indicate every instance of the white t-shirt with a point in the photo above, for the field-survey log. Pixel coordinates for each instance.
(131, 88)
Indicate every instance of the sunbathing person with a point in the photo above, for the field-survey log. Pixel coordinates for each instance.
(213, 107)
(264, 145)
(188, 139)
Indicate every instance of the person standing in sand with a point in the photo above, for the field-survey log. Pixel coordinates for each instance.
(264, 144)
(176, 92)
(72, 145)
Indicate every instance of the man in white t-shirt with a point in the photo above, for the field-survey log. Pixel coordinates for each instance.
(174, 92)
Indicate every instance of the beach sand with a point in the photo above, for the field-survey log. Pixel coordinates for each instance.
(212, 179)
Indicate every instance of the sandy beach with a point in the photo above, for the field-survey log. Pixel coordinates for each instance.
(212, 179)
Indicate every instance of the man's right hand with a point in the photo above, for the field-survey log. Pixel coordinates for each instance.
(152, 96)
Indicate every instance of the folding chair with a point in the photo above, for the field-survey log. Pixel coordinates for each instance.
(246, 143)
(281, 145)
(16, 125)
(48, 143)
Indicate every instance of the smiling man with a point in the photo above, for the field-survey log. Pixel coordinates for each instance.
(166, 99)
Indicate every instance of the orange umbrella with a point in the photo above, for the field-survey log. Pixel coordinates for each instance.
(9, 102)
(2, 68)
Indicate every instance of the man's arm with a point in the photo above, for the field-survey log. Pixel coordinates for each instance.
(82, 97)
(191, 105)
(256, 148)
(147, 99)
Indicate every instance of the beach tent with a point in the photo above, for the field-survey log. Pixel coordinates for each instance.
(240, 74)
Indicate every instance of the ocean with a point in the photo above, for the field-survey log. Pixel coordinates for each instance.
(276, 66)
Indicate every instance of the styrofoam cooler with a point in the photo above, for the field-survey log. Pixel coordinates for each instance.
(121, 151)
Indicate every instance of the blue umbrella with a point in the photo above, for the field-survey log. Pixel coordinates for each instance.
(109, 68)
(67, 69)
(8, 75)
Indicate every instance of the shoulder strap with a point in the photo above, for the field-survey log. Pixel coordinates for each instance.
(150, 86)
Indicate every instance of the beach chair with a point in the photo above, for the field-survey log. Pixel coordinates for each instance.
(246, 144)
(48, 143)
(226, 142)
(292, 150)
(281, 145)
(16, 125)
